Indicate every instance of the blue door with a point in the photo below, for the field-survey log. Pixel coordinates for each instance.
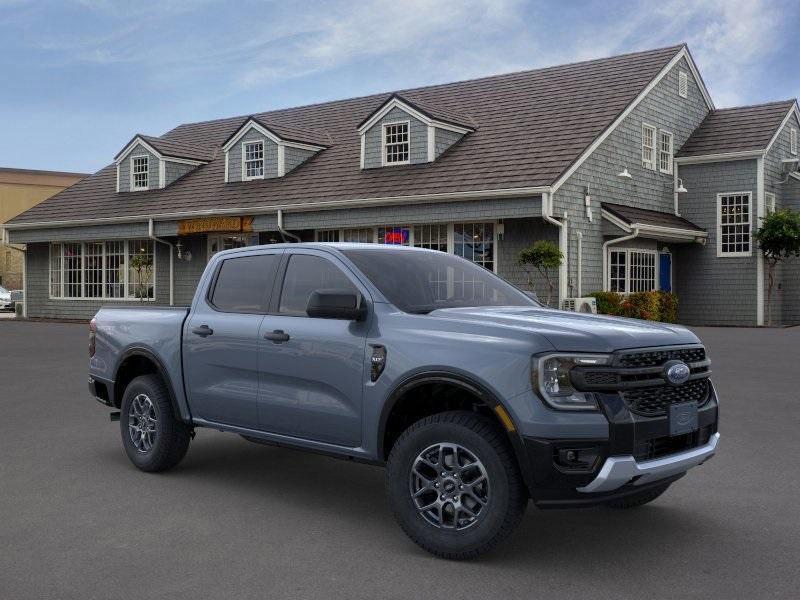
(665, 272)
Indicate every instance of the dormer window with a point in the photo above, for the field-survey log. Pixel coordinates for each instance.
(396, 148)
(253, 153)
(140, 169)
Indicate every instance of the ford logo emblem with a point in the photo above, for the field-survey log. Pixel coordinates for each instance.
(677, 372)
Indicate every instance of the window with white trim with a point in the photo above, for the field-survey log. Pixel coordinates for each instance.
(327, 235)
(253, 153)
(364, 235)
(140, 173)
(734, 224)
(769, 200)
(396, 146)
(475, 242)
(648, 146)
(632, 270)
(793, 140)
(683, 84)
(665, 152)
(122, 269)
(395, 236)
(432, 237)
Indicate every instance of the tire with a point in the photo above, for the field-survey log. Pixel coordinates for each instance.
(457, 535)
(640, 499)
(168, 441)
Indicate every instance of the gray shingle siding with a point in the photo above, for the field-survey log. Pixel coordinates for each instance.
(786, 288)
(294, 157)
(175, 170)
(518, 235)
(82, 234)
(125, 169)
(40, 305)
(443, 139)
(648, 189)
(714, 290)
(270, 156)
(418, 139)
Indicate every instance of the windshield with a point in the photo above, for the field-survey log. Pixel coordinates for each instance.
(419, 282)
(3, 290)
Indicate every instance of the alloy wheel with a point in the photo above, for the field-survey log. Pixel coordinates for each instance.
(142, 423)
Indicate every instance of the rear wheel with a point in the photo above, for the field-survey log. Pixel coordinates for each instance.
(640, 499)
(454, 485)
(154, 439)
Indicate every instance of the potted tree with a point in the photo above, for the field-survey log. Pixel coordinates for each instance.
(779, 240)
(541, 257)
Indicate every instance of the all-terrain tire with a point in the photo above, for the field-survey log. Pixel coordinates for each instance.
(166, 446)
(505, 500)
(636, 500)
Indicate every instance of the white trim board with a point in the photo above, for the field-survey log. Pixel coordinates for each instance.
(398, 103)
(138, 140)
(654, 231)
(792, 111)
(721, 157)
(681, 54)
(252, 124)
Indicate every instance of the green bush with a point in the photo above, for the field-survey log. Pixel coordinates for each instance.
(650, 306)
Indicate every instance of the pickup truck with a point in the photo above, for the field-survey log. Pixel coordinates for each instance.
(474, 396)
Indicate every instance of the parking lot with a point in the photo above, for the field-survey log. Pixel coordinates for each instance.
(238, 520)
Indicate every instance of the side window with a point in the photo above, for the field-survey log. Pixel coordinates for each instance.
(305, 275)
(244, 284)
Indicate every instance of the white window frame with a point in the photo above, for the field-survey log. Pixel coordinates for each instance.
(720, 253)
(683, 84)
(104, 297)
(793, 141)
(411, 234)
(627, 277)
(769, 202)
(665, 155)
(263, 160)
(133, 186)
(649, 164)
(218, 237)
(384, 126)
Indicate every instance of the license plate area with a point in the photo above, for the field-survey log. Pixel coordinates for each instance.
(683, 418)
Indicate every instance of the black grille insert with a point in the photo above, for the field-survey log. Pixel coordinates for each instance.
(653, 401)
(656, 358)
(662, 446)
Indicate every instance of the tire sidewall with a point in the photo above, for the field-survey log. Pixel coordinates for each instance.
(398, 475)
(148, 387)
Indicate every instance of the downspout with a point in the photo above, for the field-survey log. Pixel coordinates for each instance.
(563, 242)
(618, 240)
(282, 231)
(675, 187)
(580, 264)
(151, 234)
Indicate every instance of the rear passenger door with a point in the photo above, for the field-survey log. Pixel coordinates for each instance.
(312, 369)
(221, 340)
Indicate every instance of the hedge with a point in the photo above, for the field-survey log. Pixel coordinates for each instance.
(651, 306)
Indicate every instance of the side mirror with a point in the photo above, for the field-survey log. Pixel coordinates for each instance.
(335, 304)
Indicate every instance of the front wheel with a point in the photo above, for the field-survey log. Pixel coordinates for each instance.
(154, 439)
(454, 485)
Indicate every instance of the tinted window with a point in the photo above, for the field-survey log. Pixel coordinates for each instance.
(243, 284)
(306, 274)
(422, 281)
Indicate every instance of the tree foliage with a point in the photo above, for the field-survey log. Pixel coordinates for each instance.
(779, 240)
(542, 256)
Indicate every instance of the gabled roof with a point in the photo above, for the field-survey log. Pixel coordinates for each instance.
(167, 148)
(431, 114)
(530, 127)
(739, 129)
(632, 216)
(286, 132)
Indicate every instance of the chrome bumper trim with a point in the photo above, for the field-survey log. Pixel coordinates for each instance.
(619, 470)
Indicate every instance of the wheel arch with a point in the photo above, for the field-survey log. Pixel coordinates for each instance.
(138, 361)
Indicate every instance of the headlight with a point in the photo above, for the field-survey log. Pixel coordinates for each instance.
(551, 378)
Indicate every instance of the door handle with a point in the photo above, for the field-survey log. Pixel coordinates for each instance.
(203, 330)
(278, 336)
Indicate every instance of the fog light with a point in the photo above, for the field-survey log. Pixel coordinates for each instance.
(578, 459)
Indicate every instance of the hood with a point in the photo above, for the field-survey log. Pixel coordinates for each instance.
(5, 296)
(576, 332)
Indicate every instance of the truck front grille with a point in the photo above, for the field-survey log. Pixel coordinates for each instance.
(664, 445)
(654, 401)
(656, 358)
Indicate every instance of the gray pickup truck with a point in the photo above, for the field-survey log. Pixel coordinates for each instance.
(474, 396)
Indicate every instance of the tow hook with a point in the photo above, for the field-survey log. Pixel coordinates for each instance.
(114, 416)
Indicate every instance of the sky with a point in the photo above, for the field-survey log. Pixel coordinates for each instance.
(80, 78)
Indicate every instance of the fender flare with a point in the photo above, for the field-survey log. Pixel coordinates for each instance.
(467, 384)
(180, 411)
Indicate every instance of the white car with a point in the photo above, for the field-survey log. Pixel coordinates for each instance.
(5, 299)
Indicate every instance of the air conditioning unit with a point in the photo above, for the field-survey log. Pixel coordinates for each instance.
(583, 305)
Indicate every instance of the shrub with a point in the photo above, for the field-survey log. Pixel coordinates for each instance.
(650, 306)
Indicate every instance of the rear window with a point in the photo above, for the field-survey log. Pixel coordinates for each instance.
(244, 284)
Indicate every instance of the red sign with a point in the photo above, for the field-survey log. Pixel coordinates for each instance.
(396, 235)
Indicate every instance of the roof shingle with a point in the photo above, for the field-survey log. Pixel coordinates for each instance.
(530, 127)
(631, 215)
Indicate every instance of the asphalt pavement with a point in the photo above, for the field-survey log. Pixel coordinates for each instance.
(239, 520)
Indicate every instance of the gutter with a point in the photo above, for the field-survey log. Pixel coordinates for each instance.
(151, 234)
(618, 240)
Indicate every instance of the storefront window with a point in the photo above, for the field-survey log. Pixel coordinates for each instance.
(218, 243)
(396, 236)
(475, 242)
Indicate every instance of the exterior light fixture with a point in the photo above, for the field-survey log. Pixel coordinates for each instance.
(680, 189)
(625, 174)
